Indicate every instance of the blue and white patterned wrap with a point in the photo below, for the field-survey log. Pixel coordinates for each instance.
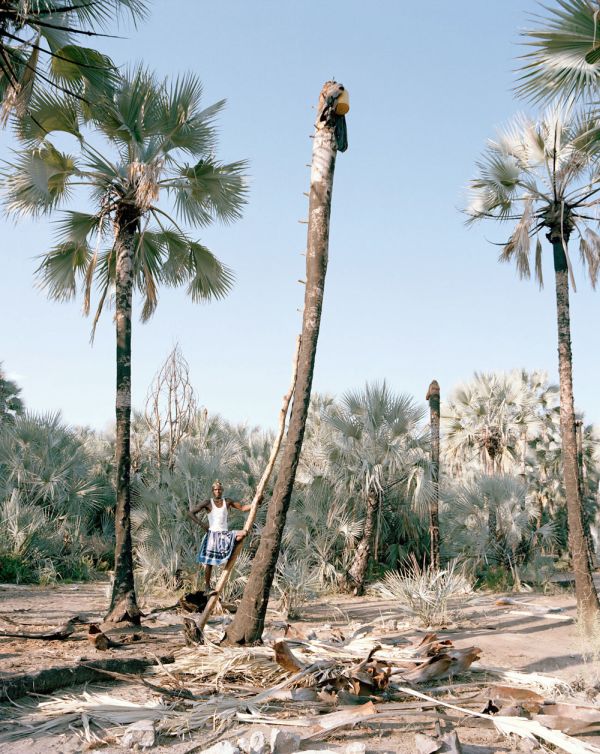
(216, 548)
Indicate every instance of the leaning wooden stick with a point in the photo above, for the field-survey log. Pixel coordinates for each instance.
(258, 495)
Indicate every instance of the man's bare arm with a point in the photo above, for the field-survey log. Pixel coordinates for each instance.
(245, 507)
(191, 514)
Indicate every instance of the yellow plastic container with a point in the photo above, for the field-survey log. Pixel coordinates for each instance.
(343, 104)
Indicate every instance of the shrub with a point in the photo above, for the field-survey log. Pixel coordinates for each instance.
(428, 594)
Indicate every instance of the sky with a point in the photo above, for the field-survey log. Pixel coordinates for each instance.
(411, 294)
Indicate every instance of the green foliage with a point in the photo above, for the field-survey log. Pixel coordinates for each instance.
(40, 54)
(11, 404)
(151, 128)
(57, 497)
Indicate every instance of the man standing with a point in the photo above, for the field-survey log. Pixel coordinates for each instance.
(218, 542)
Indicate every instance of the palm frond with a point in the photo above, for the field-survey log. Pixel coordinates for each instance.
(209, 190)
(38, 180)
(61, 267)
(563, 54)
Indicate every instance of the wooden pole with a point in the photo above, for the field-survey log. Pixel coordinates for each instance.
(258, 496)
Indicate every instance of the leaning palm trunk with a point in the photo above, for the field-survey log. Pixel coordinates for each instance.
(123, 604)
(358, 570)
(257, 499)
(248, 624)
(588, 606)
(433, 396)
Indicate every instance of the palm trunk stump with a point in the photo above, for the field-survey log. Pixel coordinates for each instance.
(247, 626)
(433, 396)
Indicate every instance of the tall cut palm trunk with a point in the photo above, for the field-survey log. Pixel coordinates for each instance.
(433, 396)
(123, 604)
(588, 607)
(358, 570)
(248, 624)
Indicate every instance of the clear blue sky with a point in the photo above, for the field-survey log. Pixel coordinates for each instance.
(411, 293)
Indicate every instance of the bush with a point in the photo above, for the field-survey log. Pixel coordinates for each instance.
(428, 594)
(13, 570)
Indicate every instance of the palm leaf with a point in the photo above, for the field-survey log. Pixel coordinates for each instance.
(39, 180)
(61, 267)
(209, 190)
(563, 51)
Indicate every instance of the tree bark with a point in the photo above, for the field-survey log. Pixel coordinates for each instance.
(358, 570)
(123, 604)
(247, 626)
(433, 396)
(588, 607)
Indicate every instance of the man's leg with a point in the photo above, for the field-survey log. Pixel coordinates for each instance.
(207, 577)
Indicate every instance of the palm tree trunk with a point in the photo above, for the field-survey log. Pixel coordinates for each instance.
(581, 478)
(123, 604)
(433, 396)
(358, 570)
(588, 607)
(248, 624)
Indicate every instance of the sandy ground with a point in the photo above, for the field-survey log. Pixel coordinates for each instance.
(510, 637)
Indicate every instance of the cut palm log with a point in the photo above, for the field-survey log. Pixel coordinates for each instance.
(98, 639)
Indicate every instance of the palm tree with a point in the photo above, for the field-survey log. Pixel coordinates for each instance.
(47, 31)
(542, 176)
(489, 420)
(564, 53)
(375, 444)
(330, 136)
(130, 242)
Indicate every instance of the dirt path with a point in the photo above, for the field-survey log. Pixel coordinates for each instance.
(526, 637)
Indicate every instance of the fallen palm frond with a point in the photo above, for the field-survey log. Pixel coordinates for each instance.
(211, 664)
(528, 729)
(103, 709)
(537, 680)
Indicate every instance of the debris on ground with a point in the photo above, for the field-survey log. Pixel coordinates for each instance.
(307, 686)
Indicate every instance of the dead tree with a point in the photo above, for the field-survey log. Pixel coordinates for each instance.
(170, 407)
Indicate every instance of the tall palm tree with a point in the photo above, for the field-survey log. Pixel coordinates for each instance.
(129, 241)
(543, 176)
(563, 57)
(39, 45)
(375, 444)
(330, 137)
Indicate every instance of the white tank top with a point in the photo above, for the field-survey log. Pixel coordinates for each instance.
(217, 517)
